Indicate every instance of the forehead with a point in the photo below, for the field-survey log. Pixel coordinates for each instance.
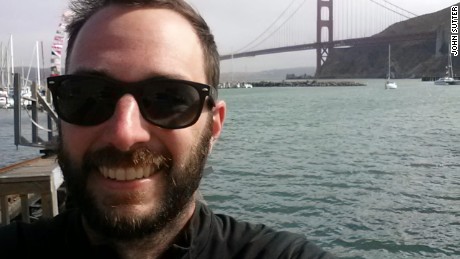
(130, 43)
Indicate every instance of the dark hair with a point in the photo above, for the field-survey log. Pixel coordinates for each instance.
(84, 9)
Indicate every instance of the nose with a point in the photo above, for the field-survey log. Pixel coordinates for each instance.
(126, 128)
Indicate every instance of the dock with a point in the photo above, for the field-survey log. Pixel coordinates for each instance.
(30, 188)
(24, 182)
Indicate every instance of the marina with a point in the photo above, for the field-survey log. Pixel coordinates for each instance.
(36, 180)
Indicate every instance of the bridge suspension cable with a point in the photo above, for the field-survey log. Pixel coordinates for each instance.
(392, 10)
(272, 25)
(364, 18)
(400, 8)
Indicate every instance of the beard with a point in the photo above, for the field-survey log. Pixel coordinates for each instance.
(181, 183)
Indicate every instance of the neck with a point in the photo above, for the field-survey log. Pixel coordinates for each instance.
(150, 247)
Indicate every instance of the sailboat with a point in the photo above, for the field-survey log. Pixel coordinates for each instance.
(390, 84)
(448, 79)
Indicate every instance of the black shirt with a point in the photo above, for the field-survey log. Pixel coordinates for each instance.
(208, 235)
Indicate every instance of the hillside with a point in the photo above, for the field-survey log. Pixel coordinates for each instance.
(409, 59)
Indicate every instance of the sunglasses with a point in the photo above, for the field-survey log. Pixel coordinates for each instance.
(167, 103)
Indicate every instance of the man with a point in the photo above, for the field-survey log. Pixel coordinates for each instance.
(139, 115)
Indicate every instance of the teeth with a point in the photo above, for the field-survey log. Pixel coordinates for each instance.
(111, 173)
(126, 174)
(139, 173)
(146, 172)
(120, 175)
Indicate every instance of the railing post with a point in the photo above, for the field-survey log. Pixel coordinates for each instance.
(50, 119)
(33, 107)
(17, 110)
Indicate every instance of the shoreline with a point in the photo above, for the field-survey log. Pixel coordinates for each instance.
(298, 83)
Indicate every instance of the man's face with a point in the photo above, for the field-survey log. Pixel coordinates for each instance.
(131, 46)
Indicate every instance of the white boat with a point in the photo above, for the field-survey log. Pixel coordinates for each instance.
(6, 102)
(445, 81)
(26, 97)
(390, 84)
(448, 79)
(3, 102)
(9, 102)
(246, 85)
(3, 98)
(3, 92)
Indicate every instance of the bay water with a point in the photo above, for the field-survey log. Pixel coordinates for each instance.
(362, 171)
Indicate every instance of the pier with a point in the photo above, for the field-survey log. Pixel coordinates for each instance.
(24, 183)
(31, 185)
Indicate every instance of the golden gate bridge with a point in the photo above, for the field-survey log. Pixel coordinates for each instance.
(339, 23)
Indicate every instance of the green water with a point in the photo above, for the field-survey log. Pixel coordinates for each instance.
(362, 171)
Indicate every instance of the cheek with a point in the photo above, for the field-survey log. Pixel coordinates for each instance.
(76, 140)
(182, 143)
(178, 145)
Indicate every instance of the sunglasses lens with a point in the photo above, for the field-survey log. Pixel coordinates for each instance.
(171, 104)
(88, 101)
(84, 101)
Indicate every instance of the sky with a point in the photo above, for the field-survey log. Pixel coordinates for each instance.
(234, 23)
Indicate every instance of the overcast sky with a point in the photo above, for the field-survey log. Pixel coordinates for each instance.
(235, 23)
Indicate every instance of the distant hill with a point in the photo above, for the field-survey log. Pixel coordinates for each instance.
(409, 59)
(32, 73)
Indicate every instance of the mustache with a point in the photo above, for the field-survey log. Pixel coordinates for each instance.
(140, 157)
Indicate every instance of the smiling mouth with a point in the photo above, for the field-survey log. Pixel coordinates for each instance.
(128, 174)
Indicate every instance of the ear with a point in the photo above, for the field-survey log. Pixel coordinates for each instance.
(218, 118)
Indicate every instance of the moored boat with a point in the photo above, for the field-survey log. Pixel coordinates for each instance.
(448, 79)
(390, 84)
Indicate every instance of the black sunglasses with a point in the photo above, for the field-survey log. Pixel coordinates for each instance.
(90, 100)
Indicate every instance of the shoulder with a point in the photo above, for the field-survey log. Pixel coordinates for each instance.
(246, 240)
(24, 240)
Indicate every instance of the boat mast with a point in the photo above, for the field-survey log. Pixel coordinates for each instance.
(1, 65)
(389, 61)
(10, 75)
(7, 64)
(38, 64)
(42, 55)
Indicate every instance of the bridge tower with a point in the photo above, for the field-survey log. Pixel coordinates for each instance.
(324, 19)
